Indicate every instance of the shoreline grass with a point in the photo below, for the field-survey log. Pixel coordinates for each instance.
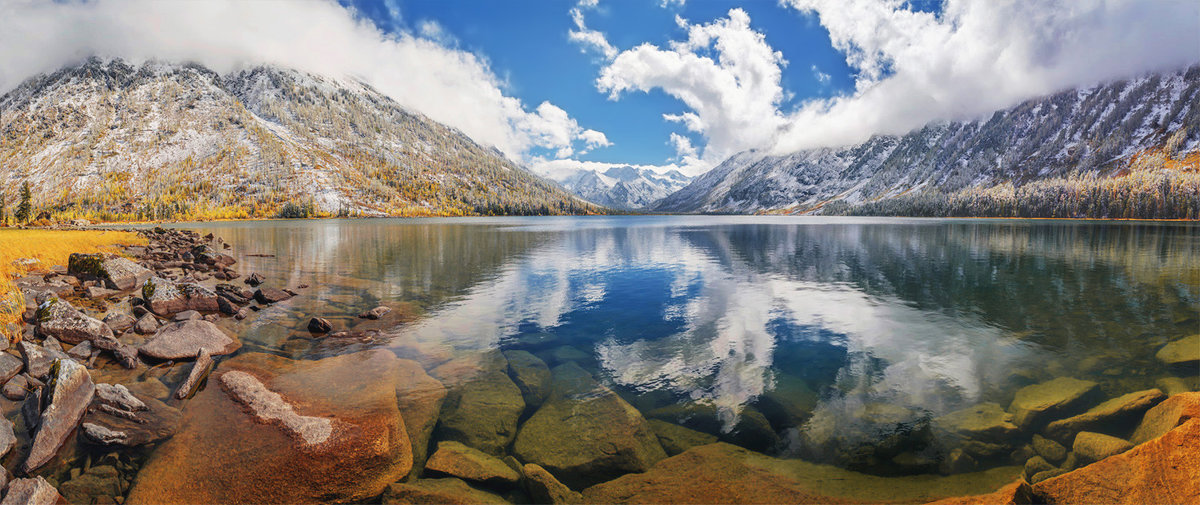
(48, 248)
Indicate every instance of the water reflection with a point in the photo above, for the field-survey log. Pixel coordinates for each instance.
(882, 322)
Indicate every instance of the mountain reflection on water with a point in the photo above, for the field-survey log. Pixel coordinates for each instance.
(875, 318)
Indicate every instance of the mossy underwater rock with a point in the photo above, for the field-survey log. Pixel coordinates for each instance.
(419, 398)
(676, 439)
(1182, 352)
(235, 449)
(1117, 411)
(457, 460)
(1034, 406)
(530, 374)
(482, 412)
(585, 434)
(447, 491)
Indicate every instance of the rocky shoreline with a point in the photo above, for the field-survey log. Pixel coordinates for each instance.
(130, 385)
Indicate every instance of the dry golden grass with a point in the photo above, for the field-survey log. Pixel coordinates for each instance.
(49, 248)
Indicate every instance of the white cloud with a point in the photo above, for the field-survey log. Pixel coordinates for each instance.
(820, 76)
(979, 56)
(588, 39)
(560, 169)
(683, 146)
(450, 86)
(725, 73)
(671, 3)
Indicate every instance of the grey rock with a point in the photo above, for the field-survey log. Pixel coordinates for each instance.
(186, 315)
(70, 392)
(10, 366)
(82, 352)
(16, 388)
(164, 297)
(375, 313)
(8, 438)
(271, 295)
(268, 406)
(95, 292)
(120, 321)
(146, 325)
(184, 339)
(200, 370)
(120, 396)
(32, 491)
(38, 359)
(319, 325)
(104, 436)
(255, 279)
(57, 318)
(134, 419)
(124, 274)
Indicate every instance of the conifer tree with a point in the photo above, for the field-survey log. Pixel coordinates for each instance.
(25, 208)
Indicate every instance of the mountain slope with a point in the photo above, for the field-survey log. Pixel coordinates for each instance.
(623, 187)
(1132, 133)
(117, 141)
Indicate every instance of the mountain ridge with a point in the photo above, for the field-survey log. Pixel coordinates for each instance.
(1145, 124)
(623, 187)
(166, 140)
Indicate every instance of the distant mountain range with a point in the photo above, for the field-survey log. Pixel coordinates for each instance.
(161, 140)
(1128, 148)
(624, 187)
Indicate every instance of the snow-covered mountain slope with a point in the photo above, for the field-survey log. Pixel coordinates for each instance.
(1093, 132)
(624, 187)
(162, 140)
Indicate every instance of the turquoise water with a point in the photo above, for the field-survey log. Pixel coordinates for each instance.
(830, 339)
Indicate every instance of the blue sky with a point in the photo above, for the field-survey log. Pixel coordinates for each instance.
(526, 43)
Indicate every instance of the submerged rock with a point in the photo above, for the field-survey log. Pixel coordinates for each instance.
(585, 434)
(1166, 416)
(68, 395)
(724, 473)
(124, 418)
(419, 398)
(271, 295)
(1036, 405)
(33, 491)
(1163, 470)
(185, 339)
(544, 488)
(1090, 446)
(1052, 451)
(98, 484)
(266, 458)
(482, 412)
(986, 421)
(530, 374)
(1115, 411)
(319, 325)
(200, 370)
(676, 439)
(448, 491)
(457, 460)
(1182, 352)
(375, 313)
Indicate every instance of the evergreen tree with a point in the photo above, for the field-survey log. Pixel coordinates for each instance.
(3, 210)
(25, 209)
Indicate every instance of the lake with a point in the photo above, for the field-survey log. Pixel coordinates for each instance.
(864, 343)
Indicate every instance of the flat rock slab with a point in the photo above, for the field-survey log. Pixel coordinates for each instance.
(457, 460)
(271, 295)
(1185, 351)
(585, 434)
(985, 421)
(71, 393)
(1117, 410)
(225, 452)
(10, 366)
(1163, 470)
(185, 339)
(1036, 405)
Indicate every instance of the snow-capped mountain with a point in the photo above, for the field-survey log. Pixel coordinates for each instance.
(161, 140)
(1089, 132)
(624, 187)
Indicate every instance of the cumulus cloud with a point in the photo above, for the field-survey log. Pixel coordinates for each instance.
(724, 72)
(978, 56)
(449, 85)
(820, 76)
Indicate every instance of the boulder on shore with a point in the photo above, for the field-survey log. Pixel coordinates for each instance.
(32, 491)
(585, 434)
(165, 298)
(117, 273)
(265, 422)
(57, 318)
(68, 394)
(185, 339)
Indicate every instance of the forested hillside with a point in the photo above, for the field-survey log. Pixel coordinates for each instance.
(113, 141)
